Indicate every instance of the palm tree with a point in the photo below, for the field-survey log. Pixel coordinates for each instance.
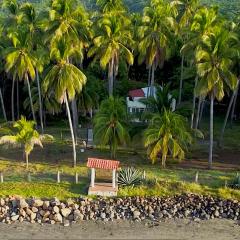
(203, 20)
(156, 35)
(214, 63)
(167, 134)
(29, 19)
(65, 79)
(112, 40)
(68, 19)
(20, 60)
(107, 6)
(110, 124)
(25, 135)
(187, 9)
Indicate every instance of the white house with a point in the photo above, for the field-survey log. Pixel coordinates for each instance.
(134, 104)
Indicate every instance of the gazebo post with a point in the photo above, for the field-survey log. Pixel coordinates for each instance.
(114, 178)
(92, 177)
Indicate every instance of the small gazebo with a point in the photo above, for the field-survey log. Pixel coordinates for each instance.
(103, 189)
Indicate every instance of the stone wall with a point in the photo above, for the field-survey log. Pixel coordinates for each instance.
(131, 208)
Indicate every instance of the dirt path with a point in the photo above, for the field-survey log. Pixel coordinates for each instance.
(181, 229)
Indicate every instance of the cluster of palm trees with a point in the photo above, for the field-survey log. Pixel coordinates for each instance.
(46, 49)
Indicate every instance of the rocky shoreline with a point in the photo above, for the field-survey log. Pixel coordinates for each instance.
(53, 211)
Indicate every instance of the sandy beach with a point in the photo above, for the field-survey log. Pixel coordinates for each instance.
(171, 229)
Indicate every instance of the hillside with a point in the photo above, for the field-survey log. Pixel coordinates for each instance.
(227, 7)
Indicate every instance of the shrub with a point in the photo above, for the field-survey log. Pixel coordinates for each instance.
(235, 183)
(129, 177)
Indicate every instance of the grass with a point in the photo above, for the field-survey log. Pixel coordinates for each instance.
(57, 156)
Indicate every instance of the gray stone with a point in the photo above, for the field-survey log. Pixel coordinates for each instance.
(37, 203)
(66, 223)
(22, 203)
(136, 214)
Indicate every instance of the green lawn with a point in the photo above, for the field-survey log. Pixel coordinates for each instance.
(57, 156)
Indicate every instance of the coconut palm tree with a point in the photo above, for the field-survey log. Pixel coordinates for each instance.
(24, 133)
(203, 20)
(110, 124)
(214, 63)
(107, 6)
(29, 19)
(65, 79)
(187, 10)
(111, 41)
(167, 134)
(20, 60)
(68, 19)
(156, 35)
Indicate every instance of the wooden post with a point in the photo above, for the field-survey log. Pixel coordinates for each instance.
(114, 178)
(1, 177)
(76, 178)
(196, 177)
(29, 177)
(58, 177)
(92, 177)
(144, 174)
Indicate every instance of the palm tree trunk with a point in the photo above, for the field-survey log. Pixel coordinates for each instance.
(13, 83)
(40, 101)
(30, 97)
(75, 118)
(194, 102)
(26, 158)
(3, 106)
(18, 114)
(71, 129)
(110, 77)
(198, 112)
(227, 115)
(149, 80)
(164, 161)
(201, 112)
(181, 82)
(234, 105)
(152, 81)
(210, 158)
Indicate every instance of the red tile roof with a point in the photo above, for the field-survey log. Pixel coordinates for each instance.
(102, 163)
(136, 93)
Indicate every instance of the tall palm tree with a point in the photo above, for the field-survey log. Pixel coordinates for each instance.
(68, 19)
(110, 124)
(111, 41)
(214, 63)
(156, 35)
(187, 11)
(203, 20)
(65, 79)
(20, 60)
(29, 19)
(167, 134)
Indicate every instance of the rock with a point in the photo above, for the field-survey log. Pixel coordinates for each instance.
(46, 205)
(65, 212)
(14, 217)
(136, 214)
(33, 216)
(2, 202)
(37, 203)
(22, 203)
(66, 223)
(52, 222)
(56, 209)
(216, 213)
(103, 215)
(34, 209)
(58, 217)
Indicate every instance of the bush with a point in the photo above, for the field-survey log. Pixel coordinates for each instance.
(235, 183)
(129, 177)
